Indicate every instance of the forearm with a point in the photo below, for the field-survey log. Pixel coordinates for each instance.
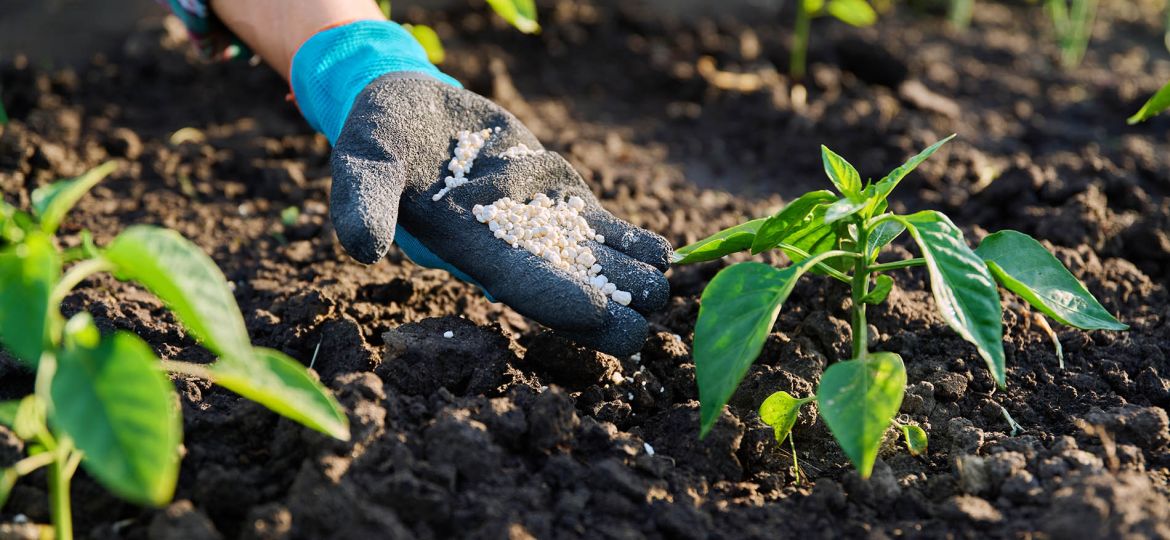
(275, 29)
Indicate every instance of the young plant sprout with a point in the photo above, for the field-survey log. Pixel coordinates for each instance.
(554, 231)
(853, 12)
(104, 402)
(467, 147)
(840, 235)
(1073, 23)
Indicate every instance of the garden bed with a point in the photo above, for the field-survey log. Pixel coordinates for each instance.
(501, 431)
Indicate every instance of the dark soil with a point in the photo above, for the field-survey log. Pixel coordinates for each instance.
(502, 432)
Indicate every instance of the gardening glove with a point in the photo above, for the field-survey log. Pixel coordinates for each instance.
(392, 118)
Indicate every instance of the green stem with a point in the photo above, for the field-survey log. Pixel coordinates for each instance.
(795, 461)
(797, 62)
(199, 371)
(32, 463)
(960, 13)
(60, 506)
(896, 265)
(860, 289)
(832, 272)
(76, 275)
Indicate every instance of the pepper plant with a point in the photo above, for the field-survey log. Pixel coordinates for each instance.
(104, 402)
(840, 235)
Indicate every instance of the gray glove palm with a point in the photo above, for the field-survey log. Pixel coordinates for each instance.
(390, 160)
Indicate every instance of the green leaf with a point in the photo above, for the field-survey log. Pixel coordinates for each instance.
(840, 172)
(384, 5)
(282, 384)
(844, 207)
(429, 39)
(8, 411)
(815, 237)
(518, 13)
(111, 397)
(915, 438)
(963, 288)
(51, 202)
(776, 228)
(858, 399)
(880, 290)
(26, 416)
(881, 236)
(1157, 103)
(28, 272)
(736, 314)
(886, 185)
(1023, 266)
(780, 411)
(187, 280)
(853, 12)
(720, 244)
(812, 6)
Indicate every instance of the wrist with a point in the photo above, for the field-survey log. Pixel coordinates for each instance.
(333, 66)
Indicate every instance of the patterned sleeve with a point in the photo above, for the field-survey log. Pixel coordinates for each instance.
(210, 36)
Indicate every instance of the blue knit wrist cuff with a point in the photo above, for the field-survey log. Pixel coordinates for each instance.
(335, 65)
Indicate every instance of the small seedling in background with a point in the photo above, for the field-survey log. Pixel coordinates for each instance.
(3, 115)
(289, 216)
(104, 402)
(854, 12)
(429, 39)
(1073, 22)
(840, 235)
(519, 13)
(960, 12)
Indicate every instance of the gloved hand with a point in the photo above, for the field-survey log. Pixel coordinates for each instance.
(393, 138)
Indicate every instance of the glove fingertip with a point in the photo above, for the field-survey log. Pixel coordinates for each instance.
(622, 335)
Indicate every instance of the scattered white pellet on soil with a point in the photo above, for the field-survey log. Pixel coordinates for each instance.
(20, 519)
(467, 147)
(630, 396)
(554, 231)
(649, 449)
(520, 151)
(636, 357)
(448, 334)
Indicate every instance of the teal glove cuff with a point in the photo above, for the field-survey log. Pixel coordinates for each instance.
(335, 65)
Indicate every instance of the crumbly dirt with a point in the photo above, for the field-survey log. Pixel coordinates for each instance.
(504, 432)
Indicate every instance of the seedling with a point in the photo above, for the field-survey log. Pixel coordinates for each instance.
(519, 13)
(959, 13)
(840, 235)
(1073, 23)
(853, 12)
(104, 402)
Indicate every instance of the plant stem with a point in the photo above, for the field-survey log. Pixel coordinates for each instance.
(76, 275)
(32, 463)
(960, 13)
(897, 264)
(797, 62)
(860, 289)
(832, 272)
(187, 368)
(60, 506)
